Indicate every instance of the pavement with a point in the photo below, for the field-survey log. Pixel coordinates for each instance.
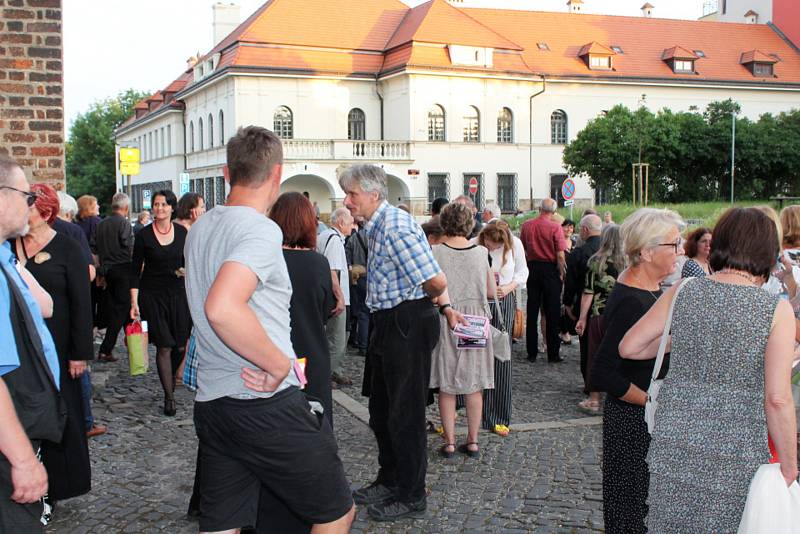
(543, 478)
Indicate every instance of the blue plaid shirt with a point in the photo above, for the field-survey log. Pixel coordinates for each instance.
(400, 259)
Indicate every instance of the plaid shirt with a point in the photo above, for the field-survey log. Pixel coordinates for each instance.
(400, 259)
(190, 366)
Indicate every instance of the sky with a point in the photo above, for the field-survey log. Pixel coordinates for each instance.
(114, 45)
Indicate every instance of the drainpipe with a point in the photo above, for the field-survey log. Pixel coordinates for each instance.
(380, 97)
(185, 147)
(530, 137)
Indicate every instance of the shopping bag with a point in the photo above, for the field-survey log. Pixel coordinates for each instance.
(136, 341)
(771, 507)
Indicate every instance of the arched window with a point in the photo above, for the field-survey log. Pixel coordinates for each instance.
(221, 129)
(210, 131)
(283, 123)
(356, 125)
(472, 125)
(505, 126)
(558, 127)
(200, 133)
(191, 136)
(436, 128)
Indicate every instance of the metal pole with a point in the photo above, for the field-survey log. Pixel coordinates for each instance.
(733, 150)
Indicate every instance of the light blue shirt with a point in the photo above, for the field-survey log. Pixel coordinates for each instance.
(400, 259)
(9, 360)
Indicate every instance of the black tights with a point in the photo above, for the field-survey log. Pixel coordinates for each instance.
(167, 361)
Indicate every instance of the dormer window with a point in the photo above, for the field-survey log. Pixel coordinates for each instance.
(600, 62)
(683, 66)
(597, 56)
(763, 70)
(759, 63)
(471, 56)
(680, 60)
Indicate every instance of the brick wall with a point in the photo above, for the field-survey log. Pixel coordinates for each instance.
(31, 87)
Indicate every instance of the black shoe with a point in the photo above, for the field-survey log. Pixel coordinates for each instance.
(375, 493)
(394, 510)
(169, 407)
(557, 360)
(531, 359)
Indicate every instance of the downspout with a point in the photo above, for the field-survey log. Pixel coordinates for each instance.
(380, 97)
(185, 147)
(530, 138)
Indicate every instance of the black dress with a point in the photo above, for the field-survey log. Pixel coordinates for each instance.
(60, 268)
(311, 305)
(162, 293)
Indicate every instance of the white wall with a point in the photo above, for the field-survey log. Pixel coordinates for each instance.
(735, 10)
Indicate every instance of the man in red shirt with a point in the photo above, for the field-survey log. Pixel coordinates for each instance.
(544, 244)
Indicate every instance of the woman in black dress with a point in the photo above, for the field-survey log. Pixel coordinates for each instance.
(57, 263)
(158, 294)
(312, 292)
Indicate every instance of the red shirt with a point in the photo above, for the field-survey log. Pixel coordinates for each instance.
(543, 239)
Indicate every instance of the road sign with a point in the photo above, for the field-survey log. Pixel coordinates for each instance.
(129, 155)
(568, 189)
(473, 186)
(183, 179)
(146, 198)
(568, 203)
(129, 168)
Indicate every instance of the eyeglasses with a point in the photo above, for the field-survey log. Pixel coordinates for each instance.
(31, 197)
(675, 245)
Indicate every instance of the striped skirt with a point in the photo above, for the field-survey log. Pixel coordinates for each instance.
(497, 401)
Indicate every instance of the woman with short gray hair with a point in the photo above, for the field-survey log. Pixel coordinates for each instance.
(652, 243)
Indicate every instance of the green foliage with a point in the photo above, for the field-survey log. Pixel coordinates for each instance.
(689, 153)
(90, 147)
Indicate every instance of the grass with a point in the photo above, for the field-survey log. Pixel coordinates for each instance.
(694, 213)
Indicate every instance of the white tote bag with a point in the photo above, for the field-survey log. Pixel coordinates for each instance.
(771, 507)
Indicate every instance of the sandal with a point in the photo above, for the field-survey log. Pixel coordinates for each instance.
(501, 430)
(445, 453)
(589, 406)
(464, 449)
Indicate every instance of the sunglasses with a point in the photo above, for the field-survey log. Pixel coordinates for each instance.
(675, 245)
(31, 197)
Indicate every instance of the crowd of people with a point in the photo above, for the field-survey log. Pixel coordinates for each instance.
(252, 305)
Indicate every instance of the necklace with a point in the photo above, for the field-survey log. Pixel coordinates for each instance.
(630, 272)
(749, 277)
(169, 229)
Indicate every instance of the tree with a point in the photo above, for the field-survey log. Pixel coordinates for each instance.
(90, 148)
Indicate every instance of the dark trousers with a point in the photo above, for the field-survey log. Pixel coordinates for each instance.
(584, 347)
(400, 346)
(544, 290)
(359, 319)
(118, 291)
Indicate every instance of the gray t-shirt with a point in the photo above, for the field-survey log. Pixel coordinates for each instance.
(242, 235)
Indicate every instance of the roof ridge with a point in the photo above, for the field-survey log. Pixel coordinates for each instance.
(479, 23)
(409, 11)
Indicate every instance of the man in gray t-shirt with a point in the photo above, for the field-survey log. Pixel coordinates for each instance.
(260, 439)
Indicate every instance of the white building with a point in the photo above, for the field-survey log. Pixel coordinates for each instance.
(440, 94)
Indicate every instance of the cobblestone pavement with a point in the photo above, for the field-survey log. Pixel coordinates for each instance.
(544, 480)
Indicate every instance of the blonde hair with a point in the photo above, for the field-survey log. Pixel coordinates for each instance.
(86, 205)
(790, 221)
(772, 214)
(497, 232)
(646, 228)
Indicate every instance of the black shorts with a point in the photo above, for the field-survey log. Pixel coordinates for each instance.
(278, 443)
(15, 517)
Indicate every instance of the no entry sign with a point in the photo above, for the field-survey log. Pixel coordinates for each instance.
(473, 186)
(568, 189)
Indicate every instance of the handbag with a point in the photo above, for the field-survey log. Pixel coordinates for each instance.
(519, 324)
(651, 405)
(501, 344)
(771, 506)
(136, 341)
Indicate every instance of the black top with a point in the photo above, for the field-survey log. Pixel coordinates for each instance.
(75, 232)
(89, 227)
(114, 241)
(610, 372)
(575, 277)
(160, 261)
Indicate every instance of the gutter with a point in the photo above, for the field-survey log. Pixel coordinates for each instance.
(380, 97)
(530, 138)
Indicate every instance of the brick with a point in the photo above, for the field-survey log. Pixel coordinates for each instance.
(44, 52)
(45, 3)
(55, 138)
(40, 114)
(44, 125)
(54, 65)
(18, 14)
(42, 138)
(14, 26)
(16, 63)
(26, 162)
(41, 163)
(17, 38)
(54, 164)
(16, 51)
(44, 27)
(3, 75)
(16, 88)
(52, 40)
(44, 101)
(19, 151)
(46, 151)
(54, 114)
(16, 3)
(41, 77)
(17, 101)
(17, 125)
(16, 113)
(19, 138)
(16, 76)
(54, 90)
(52, 14)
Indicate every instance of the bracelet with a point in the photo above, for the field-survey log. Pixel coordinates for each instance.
(443, 307)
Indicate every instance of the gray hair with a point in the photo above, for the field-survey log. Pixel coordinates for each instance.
(7, 166)
(592, 223)
(611, 248)
(494, 209)
(370, 178)
(647, 228)
(119, 201)
(69, 206)
(338, 214)
(548, 205)
(464, 199)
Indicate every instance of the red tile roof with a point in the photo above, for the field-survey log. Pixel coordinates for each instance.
(677, 52)
(595, 48)
(756, 56)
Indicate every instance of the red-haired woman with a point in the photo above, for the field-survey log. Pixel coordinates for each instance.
(312, 292)
(57, 263)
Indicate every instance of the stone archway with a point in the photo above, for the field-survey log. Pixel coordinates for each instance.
(398, 191)
(318, 188)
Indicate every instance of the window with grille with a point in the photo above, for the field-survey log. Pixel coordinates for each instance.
(219, 193)
(479, 197)
(505, 126)
(196, 186)
(283, 123)
(472, 125)
(556, 181)
(683, 66)
(356, 125)
(436, 128)
(558, 127)
(209, 189)
(210, 131)
(762, 69)
(438, 187)
(600, 62)
(507, 192)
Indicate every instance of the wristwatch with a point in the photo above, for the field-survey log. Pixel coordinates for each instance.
(443, 307)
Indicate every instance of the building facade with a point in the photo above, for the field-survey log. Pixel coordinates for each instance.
(439, 95)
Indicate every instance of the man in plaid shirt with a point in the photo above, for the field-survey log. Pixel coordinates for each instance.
(402, 278)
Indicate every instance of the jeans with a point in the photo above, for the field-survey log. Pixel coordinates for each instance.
(544, 289)
(399, 353)
(336, 332)
(359, 330)
(86, 398)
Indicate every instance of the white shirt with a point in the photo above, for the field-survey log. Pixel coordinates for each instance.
(516, 268)
(330, 244)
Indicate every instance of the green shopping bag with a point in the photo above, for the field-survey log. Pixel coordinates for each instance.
(136, 340)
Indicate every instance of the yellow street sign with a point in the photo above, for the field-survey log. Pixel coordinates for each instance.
(129, 169)
(129, 155)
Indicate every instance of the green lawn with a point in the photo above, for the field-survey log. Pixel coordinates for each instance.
(694, 213)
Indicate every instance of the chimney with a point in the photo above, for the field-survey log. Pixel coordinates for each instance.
(575, 6)
(647, 10)
(226, 19)
(751, 17)
(192, 61)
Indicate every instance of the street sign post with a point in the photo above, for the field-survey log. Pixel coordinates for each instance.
(568, 194)
(146, 199)
(183, 179)
(569, 203)
(473, 186)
